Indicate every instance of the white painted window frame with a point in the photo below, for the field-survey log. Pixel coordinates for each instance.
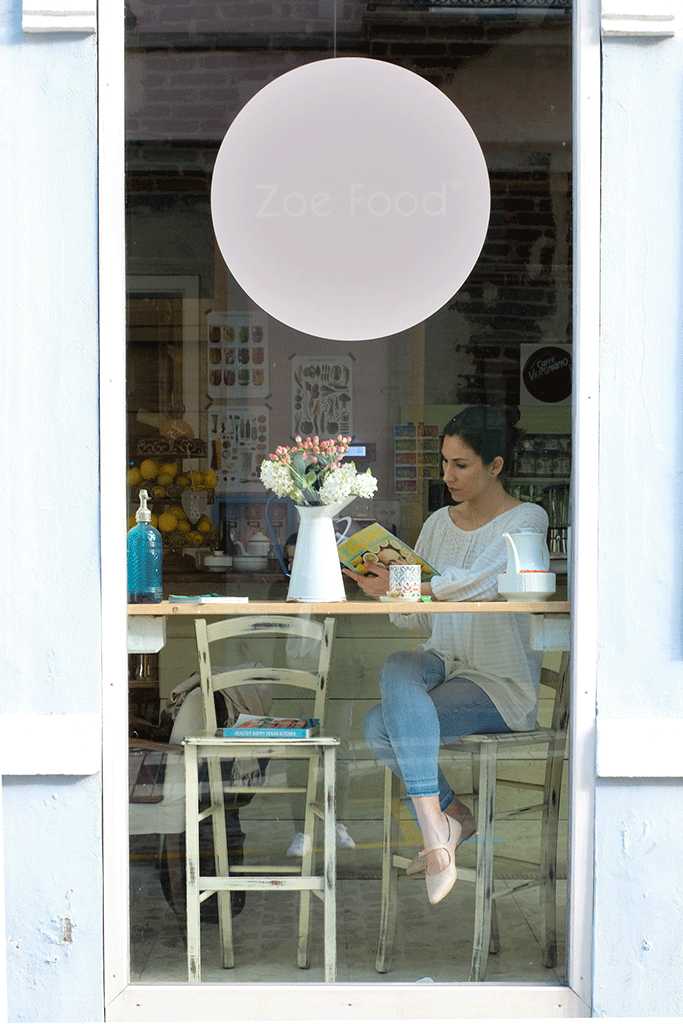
(380, 1001)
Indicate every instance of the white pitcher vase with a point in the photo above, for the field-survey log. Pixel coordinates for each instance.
(316, 572)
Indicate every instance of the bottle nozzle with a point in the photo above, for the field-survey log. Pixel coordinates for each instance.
(143, 514)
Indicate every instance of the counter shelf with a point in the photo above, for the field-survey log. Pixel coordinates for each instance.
(550, 628)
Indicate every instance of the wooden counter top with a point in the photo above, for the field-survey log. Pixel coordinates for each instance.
(361, 607)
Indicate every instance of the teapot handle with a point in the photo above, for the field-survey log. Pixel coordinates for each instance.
(342, 536)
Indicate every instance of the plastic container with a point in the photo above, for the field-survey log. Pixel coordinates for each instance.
(144, 558)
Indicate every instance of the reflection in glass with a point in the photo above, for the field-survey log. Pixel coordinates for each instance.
(211, 389)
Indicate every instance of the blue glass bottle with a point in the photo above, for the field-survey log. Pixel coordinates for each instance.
(144, 558)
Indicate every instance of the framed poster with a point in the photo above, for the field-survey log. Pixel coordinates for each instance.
(322, 396)
(238, 443)
(237, 355)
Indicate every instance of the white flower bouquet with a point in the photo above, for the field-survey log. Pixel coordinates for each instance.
(311, 472)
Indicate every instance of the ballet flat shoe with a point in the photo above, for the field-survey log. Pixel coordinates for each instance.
(440, 884)
(419, 862)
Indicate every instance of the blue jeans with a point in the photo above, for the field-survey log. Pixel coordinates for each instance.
(418, 713)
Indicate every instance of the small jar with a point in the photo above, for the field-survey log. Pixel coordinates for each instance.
(527, 461)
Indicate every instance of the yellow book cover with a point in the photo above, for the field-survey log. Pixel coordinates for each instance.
(375, 544)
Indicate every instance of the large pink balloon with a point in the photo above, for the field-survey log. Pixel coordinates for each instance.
(350, 199)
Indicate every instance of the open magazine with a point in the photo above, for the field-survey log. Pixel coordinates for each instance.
(375, 544)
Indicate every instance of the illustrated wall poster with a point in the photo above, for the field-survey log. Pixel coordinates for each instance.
(237, 355)
(238, 443)
(322, 396)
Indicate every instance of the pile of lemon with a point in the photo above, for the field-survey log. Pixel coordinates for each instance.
(161, 480)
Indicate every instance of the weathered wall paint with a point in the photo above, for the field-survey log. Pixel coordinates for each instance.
(638, 933)
(49, 585)
(639, 906)
(54, 899)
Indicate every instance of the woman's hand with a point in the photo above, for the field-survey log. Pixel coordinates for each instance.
(374, 585)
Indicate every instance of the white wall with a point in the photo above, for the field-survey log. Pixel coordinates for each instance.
(50, 642)
(638, 939)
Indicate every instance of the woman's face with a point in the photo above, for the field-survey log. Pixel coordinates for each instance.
(464, 473)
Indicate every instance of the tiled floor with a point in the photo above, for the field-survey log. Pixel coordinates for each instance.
(431, 942)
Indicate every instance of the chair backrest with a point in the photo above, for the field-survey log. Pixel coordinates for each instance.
(558, 680)
(289, 627)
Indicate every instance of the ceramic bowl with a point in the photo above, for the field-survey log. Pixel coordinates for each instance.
(218, 563)
(249, 563)
(526, 586)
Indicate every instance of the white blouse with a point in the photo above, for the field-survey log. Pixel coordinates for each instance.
(491, 650)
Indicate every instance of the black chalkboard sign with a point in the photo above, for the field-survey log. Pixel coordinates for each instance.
(547, 373)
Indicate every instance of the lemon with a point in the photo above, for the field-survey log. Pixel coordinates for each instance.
(169, 467)
(167, 522)
(204, 524)
(178, 511)
(158, 492)
(184, 525)
(183, 481)
(196, 537)
(164, 479)
(149, 469)
(209, 478)
(195, 477)
(133, 476)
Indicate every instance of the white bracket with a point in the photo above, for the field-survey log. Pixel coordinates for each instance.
(549, 632)
(639, 17)
(146, 635)
(59, 16)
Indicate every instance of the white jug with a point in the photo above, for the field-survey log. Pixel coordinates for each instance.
(527, 552)
(527, 577)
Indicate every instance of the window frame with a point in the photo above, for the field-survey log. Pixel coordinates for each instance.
(124, 1001)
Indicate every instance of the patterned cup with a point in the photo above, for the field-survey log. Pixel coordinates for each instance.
(405, 581)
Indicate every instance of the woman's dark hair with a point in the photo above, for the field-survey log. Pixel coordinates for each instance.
(488, 431)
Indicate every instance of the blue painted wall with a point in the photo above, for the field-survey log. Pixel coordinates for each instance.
(50, 646)
(638, 934)
(50, 643)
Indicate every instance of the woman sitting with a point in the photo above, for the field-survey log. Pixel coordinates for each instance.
(477, 672)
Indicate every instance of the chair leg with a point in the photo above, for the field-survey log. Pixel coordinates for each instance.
(330, 865)
(307, 862)
(549, 837)
(194, 962)
(220, 848)
(387, 926)
(484, 876)
(494, 941)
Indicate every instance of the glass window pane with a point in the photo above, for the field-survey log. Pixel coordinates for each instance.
(215, 384)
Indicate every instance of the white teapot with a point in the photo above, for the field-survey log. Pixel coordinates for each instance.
(258, 545)
(528, 577)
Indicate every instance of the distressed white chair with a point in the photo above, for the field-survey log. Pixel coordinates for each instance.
(319, 750)
(515, 874)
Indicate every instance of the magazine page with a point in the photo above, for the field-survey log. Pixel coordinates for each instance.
(375, 544)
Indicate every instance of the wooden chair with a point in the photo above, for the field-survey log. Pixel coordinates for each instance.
(515, 874)
(317, 750)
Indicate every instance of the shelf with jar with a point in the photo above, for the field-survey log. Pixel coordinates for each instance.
(542, 457)
(178, 498)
